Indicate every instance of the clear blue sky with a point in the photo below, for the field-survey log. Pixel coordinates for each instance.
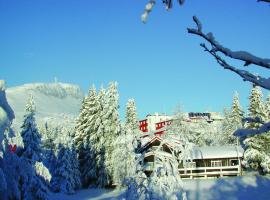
(159, 64)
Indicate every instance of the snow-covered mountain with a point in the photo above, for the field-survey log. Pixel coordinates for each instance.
(57, 103)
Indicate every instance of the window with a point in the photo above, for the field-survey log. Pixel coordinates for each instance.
(234, 162)
(216, 163)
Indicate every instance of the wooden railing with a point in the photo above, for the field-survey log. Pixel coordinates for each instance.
(196, 172)
(210, 171)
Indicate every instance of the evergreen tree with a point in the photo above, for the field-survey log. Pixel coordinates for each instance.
(124, 156)
(236, 111)
(99, 137)
(66, 177)
(30, 135)
(131, 115)
(257, 151)
(85, 129)
(232, 121)
(111, 126)
(267, 107)
(32, 185)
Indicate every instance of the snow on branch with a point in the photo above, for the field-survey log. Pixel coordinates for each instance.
(250, 132)
(216, 47)
(150, 5)
(252, 120)
(247, 57)
(247, 76)
(267, 1)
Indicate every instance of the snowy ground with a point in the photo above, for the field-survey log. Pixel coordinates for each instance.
(236, 188)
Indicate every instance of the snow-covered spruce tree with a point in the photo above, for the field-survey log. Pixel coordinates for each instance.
(131, 115)
(257, 151)
(66, 177)
(30, 135)
(232, 121)
(101, 171)
(111, 122)
(124, 156)
(179, 127)
(267, 107)
(32, 185)
(49, 136)
(86, 134)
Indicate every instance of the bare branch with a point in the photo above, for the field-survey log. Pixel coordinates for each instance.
(247, 57)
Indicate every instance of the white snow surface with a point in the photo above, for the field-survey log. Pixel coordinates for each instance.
(217, 152)
(55, 102)
(233, 188)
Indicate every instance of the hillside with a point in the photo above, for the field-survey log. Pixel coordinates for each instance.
(55, 102)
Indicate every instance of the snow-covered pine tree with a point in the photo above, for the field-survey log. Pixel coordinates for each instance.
(131, 115)
(80, 125)
(30, 135)
(111, 124)
(102, 174)
(66, 177)
(232, 121)
(179, 127)
(267, 107)
(257, 151)
(124, 156)
(32, 185)
(49, 137)
(85, 129)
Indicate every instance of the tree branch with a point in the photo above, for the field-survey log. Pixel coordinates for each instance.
(216, 47)
(247, 76)
(247, 57)
(250, 132)
(267, 1)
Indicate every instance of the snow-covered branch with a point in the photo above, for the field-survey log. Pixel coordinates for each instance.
(240, 55)
(247, 76)
(247, 57)
(267, 1)
(249, 132)
(252, 120)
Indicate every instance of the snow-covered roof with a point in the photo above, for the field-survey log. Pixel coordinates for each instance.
(209, 152)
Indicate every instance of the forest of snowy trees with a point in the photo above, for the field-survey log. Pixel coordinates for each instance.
(101, 151)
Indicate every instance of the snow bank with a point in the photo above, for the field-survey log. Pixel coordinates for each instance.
(234, 188)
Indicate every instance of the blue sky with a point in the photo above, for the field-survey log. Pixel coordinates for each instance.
(158, 64)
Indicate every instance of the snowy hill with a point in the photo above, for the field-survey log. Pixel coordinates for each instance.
(55, 102)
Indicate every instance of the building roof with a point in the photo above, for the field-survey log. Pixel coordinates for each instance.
(211, 152)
